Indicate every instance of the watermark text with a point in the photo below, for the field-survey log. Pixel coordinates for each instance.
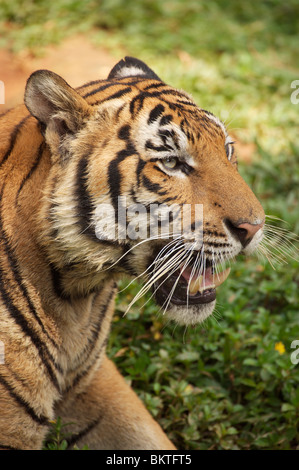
(142, 222)
(295, 95)
(295, 354)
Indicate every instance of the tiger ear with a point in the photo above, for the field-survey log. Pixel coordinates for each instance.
(55, 104)
(131, 67)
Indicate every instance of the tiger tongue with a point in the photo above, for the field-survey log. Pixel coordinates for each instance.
(208, 281)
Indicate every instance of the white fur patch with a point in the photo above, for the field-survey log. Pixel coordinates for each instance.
(129, 71)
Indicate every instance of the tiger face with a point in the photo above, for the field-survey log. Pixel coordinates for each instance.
(129, 157)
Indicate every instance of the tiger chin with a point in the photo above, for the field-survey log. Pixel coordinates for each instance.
(94, 183)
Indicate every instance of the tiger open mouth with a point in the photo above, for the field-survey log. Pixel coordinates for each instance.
(186, 287)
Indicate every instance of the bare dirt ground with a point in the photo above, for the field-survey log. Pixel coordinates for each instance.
(77, 61)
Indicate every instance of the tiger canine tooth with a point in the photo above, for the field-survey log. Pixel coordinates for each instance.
(198, 284)
(195, 285)
(221, 277)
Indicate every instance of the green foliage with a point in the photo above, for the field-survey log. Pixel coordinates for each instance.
(226, 386)
(229, 384)
(164, 26)
(57, 437)
(277, 182)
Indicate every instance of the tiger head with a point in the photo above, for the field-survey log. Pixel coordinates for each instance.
(129, 155)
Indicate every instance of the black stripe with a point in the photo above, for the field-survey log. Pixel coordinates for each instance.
(85, 207)
(140, 97)
(185, 129)
(40, 419)
(117, 94)
(160, 148)
(19, 281)
(187, 103)
(17, 314)
(212, 253)
(93, 82)
(166, 119)
(168, 199)
(153, 187)
(22, 322)
(83, 374)
(114, 176)
(109, 85)
(172, 106)
(80, 434)
(124, 132)
(98, 90)
(155, 86)
(155, 113)
(13, 138)
(217, 245)
(57, 283)
(143, 95)
(140, 166)
(169, 91)
(96, 329)
(102, 314)
(5, 113)
(117, 114)
(124, 264)
(32, 169)
(165, 134)
(92, 342)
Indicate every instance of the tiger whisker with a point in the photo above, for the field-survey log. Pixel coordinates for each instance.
(193, 272)
(149, 267)
(159, 237)
(152, 282)
(264, 251)
(277, 251)
(177, 280)
(157, 276)
(161, 283)
(285, 248)
(281, 234)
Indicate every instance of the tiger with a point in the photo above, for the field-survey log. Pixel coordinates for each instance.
(124, 142)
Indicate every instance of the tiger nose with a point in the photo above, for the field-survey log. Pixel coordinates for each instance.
(244, 232)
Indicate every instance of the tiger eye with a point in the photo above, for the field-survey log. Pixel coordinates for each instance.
(170, 162)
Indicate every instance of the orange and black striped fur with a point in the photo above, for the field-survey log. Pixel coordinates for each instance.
(61, 156)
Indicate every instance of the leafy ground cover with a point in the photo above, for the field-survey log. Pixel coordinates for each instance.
(228, 384)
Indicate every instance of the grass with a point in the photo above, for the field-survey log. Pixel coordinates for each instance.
(229, 384)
